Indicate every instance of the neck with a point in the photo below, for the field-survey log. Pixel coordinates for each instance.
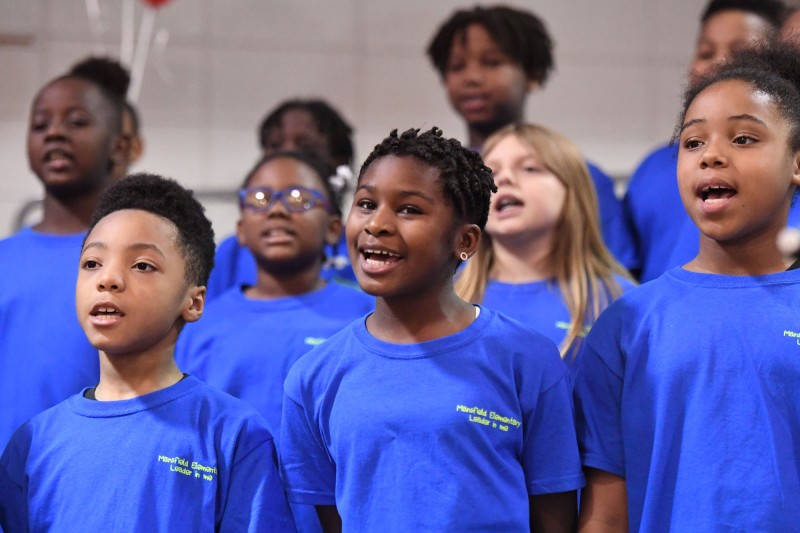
(522, 262)
(757, 257)
(478, 133)
(274, 283)
(414, 319)
(123, 377)
(63, 216)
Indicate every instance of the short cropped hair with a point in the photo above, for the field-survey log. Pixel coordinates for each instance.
(166, 198)
(772, 11)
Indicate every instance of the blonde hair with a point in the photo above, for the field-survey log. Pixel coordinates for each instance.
(584, 268)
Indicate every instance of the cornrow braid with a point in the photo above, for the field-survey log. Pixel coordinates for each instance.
(466, 181)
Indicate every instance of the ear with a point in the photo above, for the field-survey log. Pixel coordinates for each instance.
(195, 303)
(334, 230)
(533, 86)
(119, 153)
(467, 240)
(240, 233)
(796, 169)
(135, 149)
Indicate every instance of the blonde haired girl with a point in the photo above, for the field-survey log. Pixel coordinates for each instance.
(542, 259)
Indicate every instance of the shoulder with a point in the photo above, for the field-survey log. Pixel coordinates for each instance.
(664, 159)
(229, 416)
(319, 363)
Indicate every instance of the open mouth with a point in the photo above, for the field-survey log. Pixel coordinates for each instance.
(506, 202)
(56, 155)
(105, 310)
(717, 192)
(379, 257)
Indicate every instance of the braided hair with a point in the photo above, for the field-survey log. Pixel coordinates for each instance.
(466, 181)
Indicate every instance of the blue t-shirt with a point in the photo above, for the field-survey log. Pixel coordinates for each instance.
(245, 347)
(665, 234)
(617, 233)
(689, 388)
(235, 266)
(185, 458)
(452, 434)
(538, 304)
(44, 354)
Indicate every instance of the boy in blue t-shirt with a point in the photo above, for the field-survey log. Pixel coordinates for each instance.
(490, 59)
(149, 448)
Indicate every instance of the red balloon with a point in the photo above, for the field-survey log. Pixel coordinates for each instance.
(156, 3)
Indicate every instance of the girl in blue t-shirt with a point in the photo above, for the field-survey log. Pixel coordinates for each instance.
(544, 261)
(432, 414)
(687, 389)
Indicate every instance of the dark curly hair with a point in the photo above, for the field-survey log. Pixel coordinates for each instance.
(166, 198)
(329, 123)
(521, 35)
(466, 181)
(772, 11)
(771, 69)
(323, 170)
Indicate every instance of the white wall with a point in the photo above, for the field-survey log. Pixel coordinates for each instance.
(620, 69)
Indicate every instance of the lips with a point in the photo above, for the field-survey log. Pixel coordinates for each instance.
(376, 260)
(715, 194)
(473, 102)
(57, 159)
(105, 313)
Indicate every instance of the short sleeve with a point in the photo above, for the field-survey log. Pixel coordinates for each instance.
(551, 461)
(598, 400)
(256, 500)
(308, 471)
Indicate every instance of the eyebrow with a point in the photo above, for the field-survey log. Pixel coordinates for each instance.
(732, 118)
(134, 246)
(372, 189)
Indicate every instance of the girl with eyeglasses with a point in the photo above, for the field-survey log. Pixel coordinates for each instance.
(252, 334)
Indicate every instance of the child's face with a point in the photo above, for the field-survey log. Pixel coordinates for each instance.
(298, 131)
(724, 34)
(277, 236)
(736, 172)
(70, 143)
(132, 293)
(485, 86)
(401, 233)
(529, 198)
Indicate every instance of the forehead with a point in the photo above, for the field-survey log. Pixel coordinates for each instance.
(733, 27)
(510, 146)
(285, 172)
(70, 93)
(127, 226)
(392, 173)
(732, 98)
(297, 120)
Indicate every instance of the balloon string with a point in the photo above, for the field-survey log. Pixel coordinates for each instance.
(140, 57)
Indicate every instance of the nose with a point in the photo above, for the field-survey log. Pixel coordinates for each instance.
(502, 176)
(110, 280)
(713, 155)
(473, 73)
(55, 128)
(379, 222)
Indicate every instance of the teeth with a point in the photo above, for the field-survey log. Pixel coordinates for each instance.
(381, 252)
